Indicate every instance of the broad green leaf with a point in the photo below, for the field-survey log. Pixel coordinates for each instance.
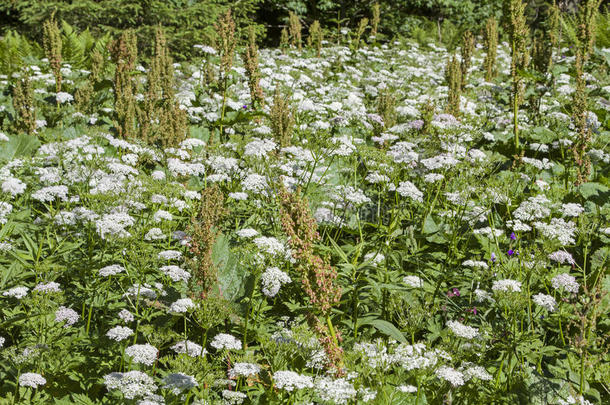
(22, 145)
(386, 328)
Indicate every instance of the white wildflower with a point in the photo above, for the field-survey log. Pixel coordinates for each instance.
(119, 333)
(142, 354)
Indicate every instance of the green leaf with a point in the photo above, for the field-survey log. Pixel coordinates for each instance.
(19, 145)
(232, 276)
(596, 192)
(386, 328)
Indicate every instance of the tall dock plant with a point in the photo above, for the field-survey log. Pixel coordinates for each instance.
(318, 277)
(124, 54)
(468, 44)
(295, 27)
(225, 27)
(585, 38)
(375, 20)
(453, 77)
(518, 33)
(250, 57)
(315, 38)
(51, 39)
(491, 48)
(23, 103)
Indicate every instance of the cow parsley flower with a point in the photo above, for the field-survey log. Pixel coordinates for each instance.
(572, 209)
(181, 306)
(63, 97)
(13, 186)
(545, 301)
(178, 382)
(339, 391)
(126, 316)
(413, 281)
(16, 292)
(475, 264)
(561, 257)
(225, 341)
(476, 372)
(233, 397)
(170, 255)
(566, 282)
(50, 287)
(119, 333)
(31, 380)
(66, 314)
(408, 389)
(189, 348)
(113, 225)
(132, 384)
(558, 229)
(244, 370)
(247, 233)
(5, 209)
(289, 380)
(51, 193)
(451, 375)
(272, 280)
(259, 147)
(506, 285)
(111, 270)
(162, 215)
(154, 234)
(142, 354)
(176, 273)
(461, 330)
(408, 189)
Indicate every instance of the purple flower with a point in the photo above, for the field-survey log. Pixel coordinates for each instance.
(513, 236)
(511, 252)
(493, 257)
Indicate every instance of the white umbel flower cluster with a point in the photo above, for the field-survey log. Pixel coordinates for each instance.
(142, 354)
(178, 382)
(408, 189)
(32, 380)
(506, 285)
(461, 330)
(545, 301)
(113, 225)
(272, 280)
(413, 281)
(51, 193)
(225, 341)
(132, 384)
(119, 333)
(290, 381)
(189, 348)
(13, 186)
(561, 257)
(181, 306)
(244, 370)
(68, 315)
(451, 375)
(111, 270)
(339, 391)
(566, 282)
(176, 273)
(16, 292)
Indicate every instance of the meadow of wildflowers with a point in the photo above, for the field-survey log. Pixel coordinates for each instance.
(342, 240)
